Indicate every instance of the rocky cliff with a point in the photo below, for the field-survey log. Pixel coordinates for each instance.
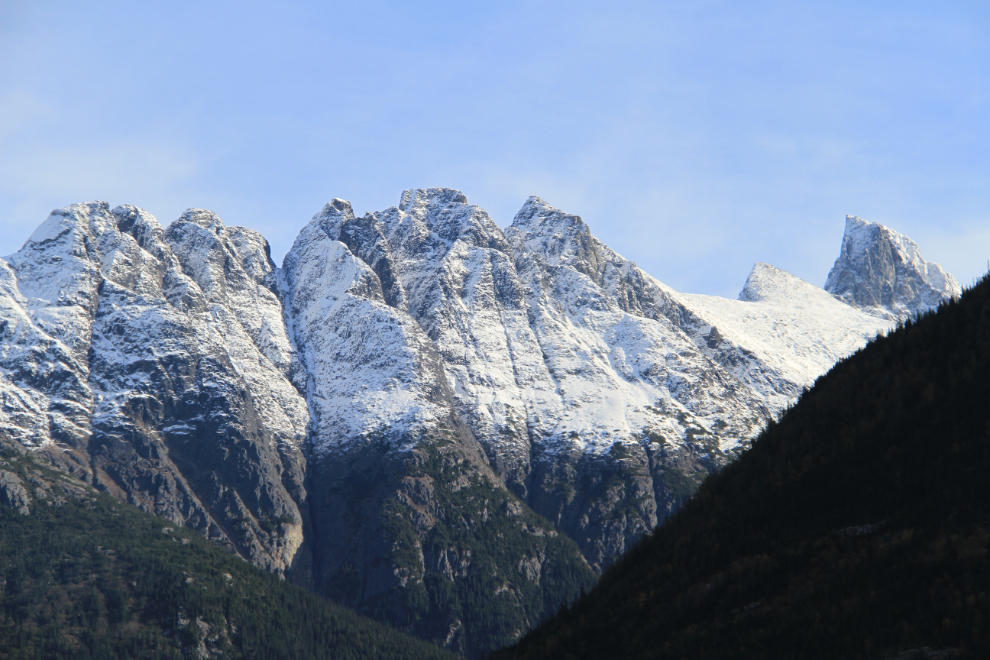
(883, 273)
(148, 374)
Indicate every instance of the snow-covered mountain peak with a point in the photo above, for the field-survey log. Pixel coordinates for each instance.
(537, 215)
(60, 221)
(862, 236)
(420, 198)
(199, 240)
(67, 227)
(58, 271)
(203, 218)
(130, 369)
(140, 224)
(768, 283)
(333, 216)
(558, 238)
(883, 272)
(537, 218)
(859, 233)
(431, 220)
(337, 207)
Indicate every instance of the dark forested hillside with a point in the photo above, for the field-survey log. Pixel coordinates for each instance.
(83, 575)
(858, 526)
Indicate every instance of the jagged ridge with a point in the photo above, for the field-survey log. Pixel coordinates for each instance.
(364, 417)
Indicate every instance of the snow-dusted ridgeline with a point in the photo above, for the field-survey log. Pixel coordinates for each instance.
(570, 365)
(403, 353)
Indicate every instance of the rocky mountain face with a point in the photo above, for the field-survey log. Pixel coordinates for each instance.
(155, 365)
(883, 273)
(411, 523)
(440, 423)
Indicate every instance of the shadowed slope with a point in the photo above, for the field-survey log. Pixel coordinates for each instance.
(87, 576)
(857, 526)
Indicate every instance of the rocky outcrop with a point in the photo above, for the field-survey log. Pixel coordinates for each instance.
(13, 493)
(25, 483)
(430, 540)
(883, 273)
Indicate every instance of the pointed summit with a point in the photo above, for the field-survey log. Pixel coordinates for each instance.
(559, 237)
(203, 218)
(766, 282)
(537, 214)
(333, 216)
(883, 273)
(423, 197)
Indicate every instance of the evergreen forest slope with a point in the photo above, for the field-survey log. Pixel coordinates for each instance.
(83, 575)
(857, 526)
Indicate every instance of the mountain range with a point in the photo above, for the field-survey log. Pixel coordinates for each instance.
(443, 424)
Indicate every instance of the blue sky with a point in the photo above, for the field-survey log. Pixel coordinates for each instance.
(694, 137)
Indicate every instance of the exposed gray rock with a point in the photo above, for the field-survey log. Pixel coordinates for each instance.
(13, 493)
(883, 272)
